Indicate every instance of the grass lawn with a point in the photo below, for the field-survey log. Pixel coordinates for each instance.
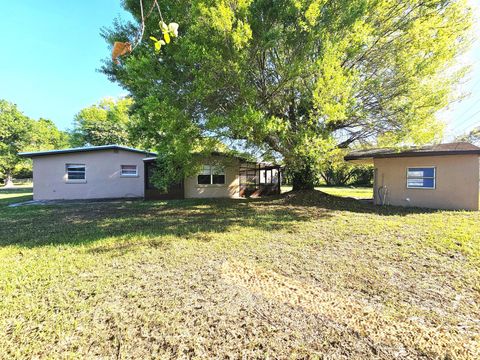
(300, 276)
(17, 194)
(354, 192)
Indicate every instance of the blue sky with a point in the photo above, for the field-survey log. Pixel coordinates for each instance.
(51, 51)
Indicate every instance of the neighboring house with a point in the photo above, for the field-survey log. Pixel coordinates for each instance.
(444, 176)
(114, 171)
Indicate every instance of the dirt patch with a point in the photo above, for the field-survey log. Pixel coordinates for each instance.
(411, 337)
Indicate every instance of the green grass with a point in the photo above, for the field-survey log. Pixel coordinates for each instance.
(16, 194)
(343, 191)
(299, 276)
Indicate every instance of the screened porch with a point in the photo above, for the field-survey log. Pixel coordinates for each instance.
(260, 179)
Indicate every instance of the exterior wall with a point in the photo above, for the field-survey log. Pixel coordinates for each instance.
(457, 182)
(231, 188)
(103, 178)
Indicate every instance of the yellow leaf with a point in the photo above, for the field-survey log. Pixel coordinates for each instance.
(166, 36)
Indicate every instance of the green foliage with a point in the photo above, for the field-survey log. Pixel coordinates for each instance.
(337, 172)
(19, 133)
(300, 78)
(107, 122)
(15, 131)
(46, 136)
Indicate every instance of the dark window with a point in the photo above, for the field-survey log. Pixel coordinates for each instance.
(75, 172)
(211, 175)
(203, 179)
(128, 170)
(218, 179)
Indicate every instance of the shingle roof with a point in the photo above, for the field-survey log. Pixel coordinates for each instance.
(456, 148)
(84, 149)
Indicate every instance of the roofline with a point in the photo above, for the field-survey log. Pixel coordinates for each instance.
(84, 149)
(213, 153)
(413, 154)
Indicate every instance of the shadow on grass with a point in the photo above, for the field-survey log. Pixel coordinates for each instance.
(83, 223)
(199, 219)
(319, 199)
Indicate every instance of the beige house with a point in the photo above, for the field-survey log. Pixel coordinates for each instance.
(113, 171)
(444, 176)
(88, 173)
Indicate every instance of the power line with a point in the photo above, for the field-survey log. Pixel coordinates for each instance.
(463, 128)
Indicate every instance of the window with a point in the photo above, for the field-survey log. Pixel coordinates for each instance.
(129, 170)
(218, 175)
(211, 175)
(421, 178)
(76, 172)
(204, 178)
(269, 177)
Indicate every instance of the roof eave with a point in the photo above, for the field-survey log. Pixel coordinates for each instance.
(86, 149)
(352, 158)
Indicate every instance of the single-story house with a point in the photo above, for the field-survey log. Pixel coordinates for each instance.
(114, 171)
(444, 176)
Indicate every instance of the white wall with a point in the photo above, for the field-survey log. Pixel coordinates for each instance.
(103, 178)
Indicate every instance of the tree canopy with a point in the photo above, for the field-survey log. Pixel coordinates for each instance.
(106, 122)
(19, 133)
(294, 77)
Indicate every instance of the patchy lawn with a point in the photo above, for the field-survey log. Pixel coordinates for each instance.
(299, 276)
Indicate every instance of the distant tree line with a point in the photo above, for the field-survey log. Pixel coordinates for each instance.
(107, 122)
(21, 133)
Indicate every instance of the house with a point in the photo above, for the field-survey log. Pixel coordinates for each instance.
(114, 171)
(444, 176)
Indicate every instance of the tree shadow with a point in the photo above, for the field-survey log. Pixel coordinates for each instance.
(319, 199)
(80, 223)
(83, 223)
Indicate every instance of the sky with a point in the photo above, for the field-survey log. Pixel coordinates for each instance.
(463, 116)
(51, 52)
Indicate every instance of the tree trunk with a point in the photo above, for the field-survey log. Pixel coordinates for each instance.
(9, 180)
(303, 179)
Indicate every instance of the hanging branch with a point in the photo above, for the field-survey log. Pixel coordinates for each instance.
(168, 31)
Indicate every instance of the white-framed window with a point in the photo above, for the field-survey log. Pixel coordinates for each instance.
(76, 172)
(211, 175)
(128, 171)
(421, 177)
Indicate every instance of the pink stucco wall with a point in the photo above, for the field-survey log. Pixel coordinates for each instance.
(103, 178)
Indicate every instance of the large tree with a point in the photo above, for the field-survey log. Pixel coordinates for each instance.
(15, 131)
(299, 78)
(46, 136)
(104, 123)
(19, 133)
